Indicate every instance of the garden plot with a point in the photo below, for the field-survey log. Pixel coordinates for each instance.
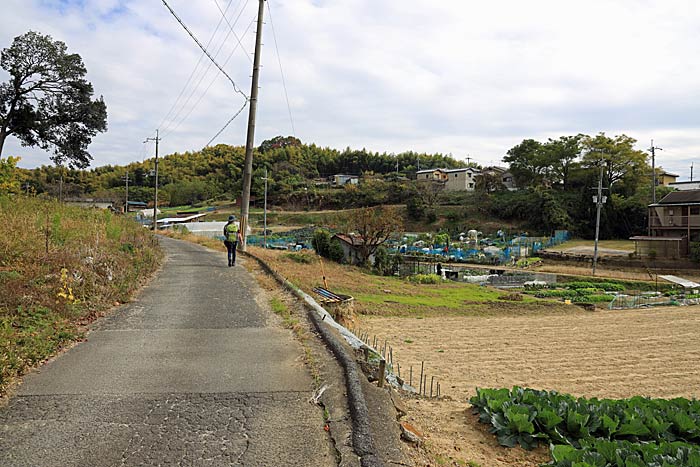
(603, 354)
(611, 354)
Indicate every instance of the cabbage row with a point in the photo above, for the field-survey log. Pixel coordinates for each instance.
(639, 428)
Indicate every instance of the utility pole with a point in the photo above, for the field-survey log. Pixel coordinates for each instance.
(126, 206)
(250, 138)
(469, 159)
(155, 199)
(265, 213)
(653, 171)
(599, 200)
(691, 171)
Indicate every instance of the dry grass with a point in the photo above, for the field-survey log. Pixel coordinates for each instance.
(60, 267)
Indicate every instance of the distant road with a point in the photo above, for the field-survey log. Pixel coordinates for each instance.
(190, 373)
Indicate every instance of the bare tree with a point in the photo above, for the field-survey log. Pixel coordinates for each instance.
(369, 228)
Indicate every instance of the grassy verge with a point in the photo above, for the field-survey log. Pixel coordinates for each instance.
(380, 295)
(60, 267)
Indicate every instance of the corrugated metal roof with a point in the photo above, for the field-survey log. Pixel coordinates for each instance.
(680, 281)
(687, 196)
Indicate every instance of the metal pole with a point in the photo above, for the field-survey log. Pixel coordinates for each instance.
(599, 203)
(653, 173)
(250, 138)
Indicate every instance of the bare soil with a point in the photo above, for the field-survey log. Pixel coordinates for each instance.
(608, 354)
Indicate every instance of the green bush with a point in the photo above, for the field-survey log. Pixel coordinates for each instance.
(425, 279)
(336, 252)
(321, 241)
(301, 258)
(382, 262)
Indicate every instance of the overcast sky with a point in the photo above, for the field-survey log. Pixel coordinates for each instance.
(461, 77)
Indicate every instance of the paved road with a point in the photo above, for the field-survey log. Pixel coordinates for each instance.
(190, 373)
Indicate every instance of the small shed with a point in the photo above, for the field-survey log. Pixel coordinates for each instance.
(660, 247)
(350, 245)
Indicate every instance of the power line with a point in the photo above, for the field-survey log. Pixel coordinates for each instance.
(171, 129)
(223, 15)
(228, 123)
(206, 52)
(279, 60)
(194, 70)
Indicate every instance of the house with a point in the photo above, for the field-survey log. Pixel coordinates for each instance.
(351, 251)
(463, 179)
(674, 220)
(342, 180)
(691, 185)
(665, 178)
(503, 174)
(132, 206)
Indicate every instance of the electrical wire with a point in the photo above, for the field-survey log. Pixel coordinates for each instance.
(228, 123)
(194, 70)
(223, 16)
(170, 129)
(206, 52)
(213, 80)
(279, 60)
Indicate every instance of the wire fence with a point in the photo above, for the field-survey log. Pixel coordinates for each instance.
(406, 376)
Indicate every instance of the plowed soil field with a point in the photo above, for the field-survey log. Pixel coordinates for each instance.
(613, 354)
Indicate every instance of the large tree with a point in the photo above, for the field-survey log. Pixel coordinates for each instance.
(48, 102)
(528, 162)
(621, 162)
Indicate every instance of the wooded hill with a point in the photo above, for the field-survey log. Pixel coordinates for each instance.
(555, 180)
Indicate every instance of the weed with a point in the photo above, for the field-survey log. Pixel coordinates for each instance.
(408, 341)
(81, 263)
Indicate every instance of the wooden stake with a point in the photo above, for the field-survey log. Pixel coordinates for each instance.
(382, 369)
(323, 272)
(420, 385)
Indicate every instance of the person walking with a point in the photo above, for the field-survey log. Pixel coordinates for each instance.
(231, 236)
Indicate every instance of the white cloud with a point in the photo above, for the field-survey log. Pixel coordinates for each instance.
(455, 77)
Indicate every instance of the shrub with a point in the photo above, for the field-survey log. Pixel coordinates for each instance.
(321, 241)
(382, 262)
(336, 252)
(425, 279)
(302, 258)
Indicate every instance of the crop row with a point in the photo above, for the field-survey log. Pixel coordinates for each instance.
(527, 416)
(602, 453)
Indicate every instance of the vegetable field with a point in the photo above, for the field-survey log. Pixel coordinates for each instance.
(604, 354)
(634, 432)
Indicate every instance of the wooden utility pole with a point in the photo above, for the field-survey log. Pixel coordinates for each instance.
(250, 138)
(126, 180)
(155, 198)
(653, 171)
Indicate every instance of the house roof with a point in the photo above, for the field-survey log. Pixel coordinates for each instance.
(445, 170)
(669, 174)
(681, 197)
(352, 241)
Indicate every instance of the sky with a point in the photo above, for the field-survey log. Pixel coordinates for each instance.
(460, 77)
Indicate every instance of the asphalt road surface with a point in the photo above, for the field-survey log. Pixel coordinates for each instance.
(189, 374)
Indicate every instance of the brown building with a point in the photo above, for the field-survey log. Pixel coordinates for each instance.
(675, 219)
